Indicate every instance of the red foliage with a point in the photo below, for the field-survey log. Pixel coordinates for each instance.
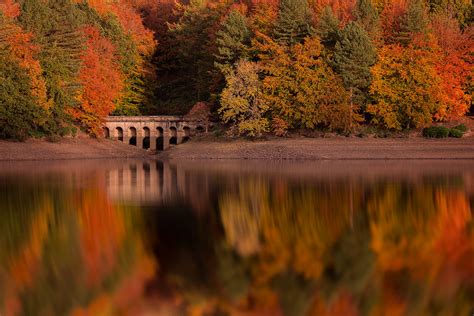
(101, 78)
(342, 8)
(456, 66)
(9, 8)
(391, 18)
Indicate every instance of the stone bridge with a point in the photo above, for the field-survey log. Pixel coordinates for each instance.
(152, 132)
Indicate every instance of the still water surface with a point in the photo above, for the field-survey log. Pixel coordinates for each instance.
(236, 238)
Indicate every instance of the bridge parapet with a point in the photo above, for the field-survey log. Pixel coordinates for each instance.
(152, 132)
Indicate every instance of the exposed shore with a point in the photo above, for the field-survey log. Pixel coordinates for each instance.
(68, 148)
(338, 148)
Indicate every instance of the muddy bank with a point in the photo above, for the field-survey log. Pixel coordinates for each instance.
(275, 149)
(327, 149)
(68, 148)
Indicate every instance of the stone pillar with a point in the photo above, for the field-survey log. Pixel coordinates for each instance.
(140, 142)
(126, 139)
(179, 137)
(166, 141)
(153, 143)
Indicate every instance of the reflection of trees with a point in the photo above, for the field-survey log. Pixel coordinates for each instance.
(391, 247)
(77, 253)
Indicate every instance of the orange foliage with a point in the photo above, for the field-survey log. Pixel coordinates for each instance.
(25, 53)
(342, 8)
(343, 305)
(263, 13)
(130, 21)
(456, 66)
(391, 18)
(102, 232)
(23, 265)
(9, 8)
(101, 78)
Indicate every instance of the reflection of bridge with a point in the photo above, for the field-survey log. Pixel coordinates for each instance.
(145, 182)
(153, 132)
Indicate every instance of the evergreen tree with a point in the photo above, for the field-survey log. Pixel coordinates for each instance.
(414, 21)
(232, 40)
(328, 28)
(354, 54)
(368, 18)
(293, 23)
(187, 65)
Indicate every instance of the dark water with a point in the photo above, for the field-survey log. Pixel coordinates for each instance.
(237, 238)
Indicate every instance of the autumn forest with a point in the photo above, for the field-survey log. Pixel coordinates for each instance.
(259, 65)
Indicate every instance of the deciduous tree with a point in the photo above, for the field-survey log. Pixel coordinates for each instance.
(242, 102)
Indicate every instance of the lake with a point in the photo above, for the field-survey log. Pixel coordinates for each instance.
(249, 238)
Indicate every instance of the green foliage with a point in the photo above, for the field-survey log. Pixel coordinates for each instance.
(353, 56)
(415, 21)
(20, 114)
(328, 28)
(461, 127)
(242, 101)
(186, 67)
(294, 22)
(368, 18)
(453, 132)
(55, 24)
(233, 40)
(436, 132)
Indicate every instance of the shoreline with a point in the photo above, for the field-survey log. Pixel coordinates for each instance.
(285, 149)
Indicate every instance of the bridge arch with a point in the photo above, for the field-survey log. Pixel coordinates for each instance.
(199, 129)
(173, 136)
(146, 137)
(132, 134)
(160, 144)
(119, 133)
(106, 132)
(187, 134)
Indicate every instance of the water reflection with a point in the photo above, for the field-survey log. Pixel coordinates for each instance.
(159, 238)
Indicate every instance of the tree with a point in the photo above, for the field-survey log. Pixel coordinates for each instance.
(293, 23)
(101, 79)
(415, 21)
(406, 87)
(368, 18)
(242, 101)
(20, 112)
(233, 40)
(296, 85)
(354, 54)
(55, 25)
(186, 74)
(328, 28)
(455, 67)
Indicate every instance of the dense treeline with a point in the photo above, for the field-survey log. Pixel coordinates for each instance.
(67, 64)
(264, 65)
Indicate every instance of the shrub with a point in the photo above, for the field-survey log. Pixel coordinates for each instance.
(436, 132)
(455, 133)
(463, 128)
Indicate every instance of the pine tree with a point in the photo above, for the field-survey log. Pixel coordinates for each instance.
(414, 21)
(328, 28)
(294, 22)
(354, 54)
(232, 40)
(368, 18)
